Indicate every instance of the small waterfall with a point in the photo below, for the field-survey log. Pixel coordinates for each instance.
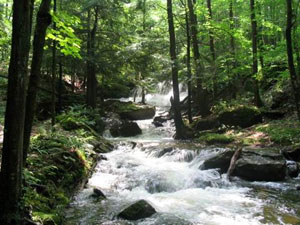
(162, 95)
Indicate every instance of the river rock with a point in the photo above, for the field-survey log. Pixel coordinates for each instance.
(292, 168)
(165, 151)
(98, 193)
(142, 112)
(138, 210)
(254, 165)
(161, 119)
(292, 154)
(242, 117)
(221, 161)
(126, 129)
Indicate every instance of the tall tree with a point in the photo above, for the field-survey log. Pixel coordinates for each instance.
(53, 80)
(188, 63)
(42, 22)
(91, 92)
(12, 152)
(201, 93)
(176, 102)
(257, 99)
(289, 48)
(212, 49)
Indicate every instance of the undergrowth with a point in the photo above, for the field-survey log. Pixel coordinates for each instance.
(58, 162)
(283, 132)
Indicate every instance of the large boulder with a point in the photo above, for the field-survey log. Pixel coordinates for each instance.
(221, 161)
(241, 117)
(255, 165)
(138, 210)
(141, 112)
(206, 124)
(125, 129)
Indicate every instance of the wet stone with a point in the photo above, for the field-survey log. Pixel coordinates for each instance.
(138, 210)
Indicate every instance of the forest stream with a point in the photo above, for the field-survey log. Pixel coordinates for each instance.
(166, 173)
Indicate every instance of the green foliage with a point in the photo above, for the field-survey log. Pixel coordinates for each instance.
(80, 117)
(229, 106)
(69, 43)
(213, 138)
(283, 132)
(56, 164)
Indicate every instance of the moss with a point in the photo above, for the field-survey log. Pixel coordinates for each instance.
(57, 163)
(283, 132)
(241, 116)
(213, 138)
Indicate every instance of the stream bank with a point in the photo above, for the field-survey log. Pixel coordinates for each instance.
(60, 163)
(164, 172)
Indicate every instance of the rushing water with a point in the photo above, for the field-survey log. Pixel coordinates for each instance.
(166, 174)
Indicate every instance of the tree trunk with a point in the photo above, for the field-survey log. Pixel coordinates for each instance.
(257, 99)
(42, 23)
(176, 102)
(53, 80)
(91, 71)
(188, 65)
(232, 51)
(212, 51)
(60, 85)
(12, 152)
(289, 48)
(201, 93)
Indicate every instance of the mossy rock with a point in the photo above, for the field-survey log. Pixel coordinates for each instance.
(126, 129)
(242, 116)
(130, 110)
(70, 123)
(206, 124)
(139, 210)
(213, 138)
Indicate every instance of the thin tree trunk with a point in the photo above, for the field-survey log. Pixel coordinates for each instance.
(144, 29)
(60, 85)
(212, 51)
(232, 50)
(257, 99)
(53, 80)
(289, 48)
(188, 65)
(42, 23)
(91, 76)
(201, 93)
(176, 103)
(12, 152)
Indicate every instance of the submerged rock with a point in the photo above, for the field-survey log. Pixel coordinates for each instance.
(126, 129)
(292, 168)
(138, 210)
(98, 194)
(254, 165)
(161, 119)
(242, 117)
(165, 151)
(221, 161)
